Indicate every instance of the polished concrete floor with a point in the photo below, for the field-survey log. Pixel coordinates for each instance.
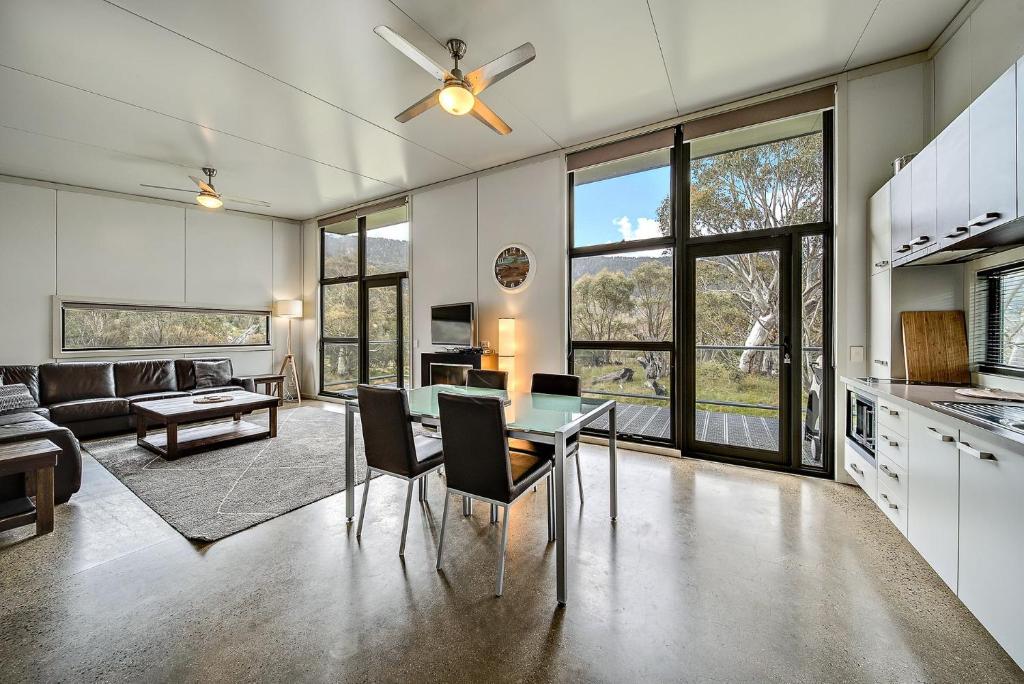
(712, 573)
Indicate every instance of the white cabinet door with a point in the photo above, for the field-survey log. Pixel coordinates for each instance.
(880, 227)
(933, 494)
(992, 538)
(880, 340)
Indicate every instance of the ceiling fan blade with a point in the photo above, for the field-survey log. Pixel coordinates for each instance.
(164, 187)
(412, 52)
(483, 113)
(497, 69)
(203, 185)
(419, 107)
(240, 200)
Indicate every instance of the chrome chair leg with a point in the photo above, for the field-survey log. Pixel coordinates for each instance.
(423, 489)
(494, 513)
(579, 475)
(444, 525)
(362, 509)
(551, 507)
(405, 524)
(467, 506)
(501, 558)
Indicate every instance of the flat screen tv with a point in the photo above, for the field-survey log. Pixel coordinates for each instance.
(452, 325)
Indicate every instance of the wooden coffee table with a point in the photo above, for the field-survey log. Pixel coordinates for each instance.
(36, 459)
(175, 440)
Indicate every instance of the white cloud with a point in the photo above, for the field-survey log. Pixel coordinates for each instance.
(645, 228)
(625, 227)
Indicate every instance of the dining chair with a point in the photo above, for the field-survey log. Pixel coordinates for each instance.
(489, 379)
(562, 385)
(478, 463)
(392, 448)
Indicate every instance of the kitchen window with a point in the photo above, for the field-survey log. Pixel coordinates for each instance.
(999, 320)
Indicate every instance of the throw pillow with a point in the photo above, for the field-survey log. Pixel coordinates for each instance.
(15, 398)
(212, 373)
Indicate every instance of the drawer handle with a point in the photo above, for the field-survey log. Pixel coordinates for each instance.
(891, 412)
(856, 468)
(880, 264)
(920, 240)
(885, 469)
(976, 453)
(904, 248)
(890, 440)
(957, 232)
(939, 436)
(881, 362)
(889, 502)
(987, 217)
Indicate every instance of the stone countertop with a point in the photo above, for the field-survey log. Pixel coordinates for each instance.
(922, 396)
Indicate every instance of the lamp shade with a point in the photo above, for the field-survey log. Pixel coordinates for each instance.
(288, 308)
(506, 337)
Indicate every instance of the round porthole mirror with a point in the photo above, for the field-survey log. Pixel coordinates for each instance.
(513, 268)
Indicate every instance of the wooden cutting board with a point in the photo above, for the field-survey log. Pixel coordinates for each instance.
(935, 346)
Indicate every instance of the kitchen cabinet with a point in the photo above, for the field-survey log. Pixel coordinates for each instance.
(880, 322)
(991, 537)
(1020, 137)
(993, 154)
(880, 229)
(901, 189)
(922, 203)
(953, 181)
(933, 496)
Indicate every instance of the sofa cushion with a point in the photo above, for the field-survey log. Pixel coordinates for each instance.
(26, 375)
(215, 390)
(143, 377)
(186, 371)
(67, 478)
(154, 396)
(88, 409)
(63, 382)
(11, 421)
(212, 373)
(16, 398)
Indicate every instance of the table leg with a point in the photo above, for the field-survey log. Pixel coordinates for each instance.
(560, 515)
(272, 421)
(350, 463)
(612, 466)
(280, 391)
(238, 417)
(44, 500)
(172, 440)
(140, 426)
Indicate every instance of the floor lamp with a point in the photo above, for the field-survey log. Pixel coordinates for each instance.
(507, 349)
(290, 309)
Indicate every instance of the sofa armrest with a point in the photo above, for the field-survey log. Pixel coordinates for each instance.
(245, 383)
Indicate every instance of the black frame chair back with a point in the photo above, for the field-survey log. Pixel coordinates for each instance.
(387, 430)
(489, 379)
(556, 383)
(476, 459)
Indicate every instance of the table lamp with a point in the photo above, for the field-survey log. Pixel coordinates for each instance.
(290, 309)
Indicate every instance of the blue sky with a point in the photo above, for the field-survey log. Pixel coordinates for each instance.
(606, 211)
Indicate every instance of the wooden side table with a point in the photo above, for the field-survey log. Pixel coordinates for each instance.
(273, 382)
(38, 458)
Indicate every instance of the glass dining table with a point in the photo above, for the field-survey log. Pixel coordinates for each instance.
(544, 418)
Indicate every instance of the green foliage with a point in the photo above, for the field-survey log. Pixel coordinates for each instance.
(87, 328)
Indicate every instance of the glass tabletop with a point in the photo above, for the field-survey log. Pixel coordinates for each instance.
(540, 413)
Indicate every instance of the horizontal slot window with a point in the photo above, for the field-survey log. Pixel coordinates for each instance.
(88, 327)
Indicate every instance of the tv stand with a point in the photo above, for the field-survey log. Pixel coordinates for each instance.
(474, 357)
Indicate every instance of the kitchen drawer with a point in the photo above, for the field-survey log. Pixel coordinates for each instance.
(861, 470)
(894, 417)
(895, 476)
(891, 503)
(892, 445)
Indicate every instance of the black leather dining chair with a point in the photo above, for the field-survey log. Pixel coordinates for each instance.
(488, 379)
(562, 385)
(392, 449)
(478, 463)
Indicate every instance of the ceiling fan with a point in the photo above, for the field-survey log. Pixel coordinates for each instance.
(458, 93)
(208, 195)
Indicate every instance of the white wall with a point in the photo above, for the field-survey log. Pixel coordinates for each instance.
(80, 243)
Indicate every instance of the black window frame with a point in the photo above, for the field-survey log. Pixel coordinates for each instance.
(364, 282)
(990, 337)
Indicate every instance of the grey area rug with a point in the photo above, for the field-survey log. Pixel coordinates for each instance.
(212, 494)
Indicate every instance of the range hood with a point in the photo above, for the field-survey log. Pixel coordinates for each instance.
(999, 239)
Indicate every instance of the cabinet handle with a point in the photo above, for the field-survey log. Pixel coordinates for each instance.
(987, 217)
(891, 412)
(856, 468)
(885, 469)
(939, 436)
(976, 453)
(957, 232)
(880, 264)
(920, 240)
(881, 362)
(889, 502)
(890, 440)
(904, 248)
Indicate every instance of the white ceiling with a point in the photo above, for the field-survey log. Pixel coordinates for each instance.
(293, 102)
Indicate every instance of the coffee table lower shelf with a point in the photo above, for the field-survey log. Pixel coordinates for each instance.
(200, 436)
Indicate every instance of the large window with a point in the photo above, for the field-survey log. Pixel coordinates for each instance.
(622, 297)
(999, 320)
(89, 326)
(364, 298)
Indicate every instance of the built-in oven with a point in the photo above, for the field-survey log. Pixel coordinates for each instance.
(860, 423)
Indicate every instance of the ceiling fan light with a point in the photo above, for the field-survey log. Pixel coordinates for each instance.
(456, 99)
(209, 200)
